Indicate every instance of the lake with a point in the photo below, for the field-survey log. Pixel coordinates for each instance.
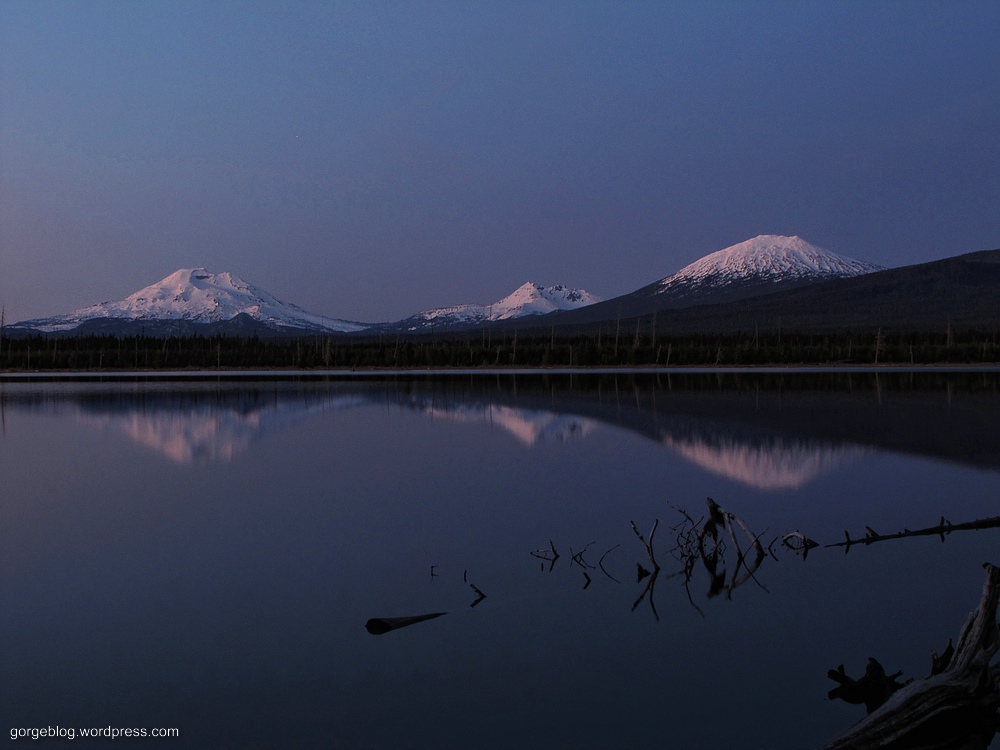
(211, 553)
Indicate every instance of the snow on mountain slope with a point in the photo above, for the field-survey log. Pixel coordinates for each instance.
(198, 296)
(766, 258)
(528, 299)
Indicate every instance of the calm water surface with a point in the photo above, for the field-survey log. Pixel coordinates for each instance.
(206, 554)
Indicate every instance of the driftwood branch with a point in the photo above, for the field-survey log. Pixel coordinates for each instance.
(956, 706)
(942, 530)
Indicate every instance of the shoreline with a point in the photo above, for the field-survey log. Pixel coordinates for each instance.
(347, 373)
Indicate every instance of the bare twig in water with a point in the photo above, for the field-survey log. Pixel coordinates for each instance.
(550, 555)
(600, 563)
(479, 595)
(798, 543)
(711, 541)
(578, 557)
(650, 576)
(648, 545)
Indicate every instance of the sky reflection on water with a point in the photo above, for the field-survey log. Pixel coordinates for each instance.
(207, 556)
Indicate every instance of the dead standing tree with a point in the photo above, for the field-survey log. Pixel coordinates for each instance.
(956, 706)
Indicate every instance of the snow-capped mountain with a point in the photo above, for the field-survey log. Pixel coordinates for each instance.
(195, 301)
(762, 265)
(528, 299)
(196, 296)
(766, 259)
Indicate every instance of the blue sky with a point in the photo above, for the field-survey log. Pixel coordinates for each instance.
(371, 159)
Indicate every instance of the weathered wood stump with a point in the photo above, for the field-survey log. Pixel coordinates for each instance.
(955, 707)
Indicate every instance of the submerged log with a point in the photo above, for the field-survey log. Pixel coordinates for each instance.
(380, 625)
(953, 708)
(942, 530)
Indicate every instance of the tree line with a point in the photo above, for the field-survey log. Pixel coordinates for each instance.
(509, 349)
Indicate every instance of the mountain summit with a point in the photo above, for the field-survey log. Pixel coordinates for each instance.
(527, 299)
(196, 296)
(766, 259)
(532, 299)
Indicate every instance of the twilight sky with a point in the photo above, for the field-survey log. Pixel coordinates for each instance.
(370, 159)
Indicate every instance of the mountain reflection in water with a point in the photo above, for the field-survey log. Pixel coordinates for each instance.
(209, 433)
(764, 433)
(764, 462)
(529, 426)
